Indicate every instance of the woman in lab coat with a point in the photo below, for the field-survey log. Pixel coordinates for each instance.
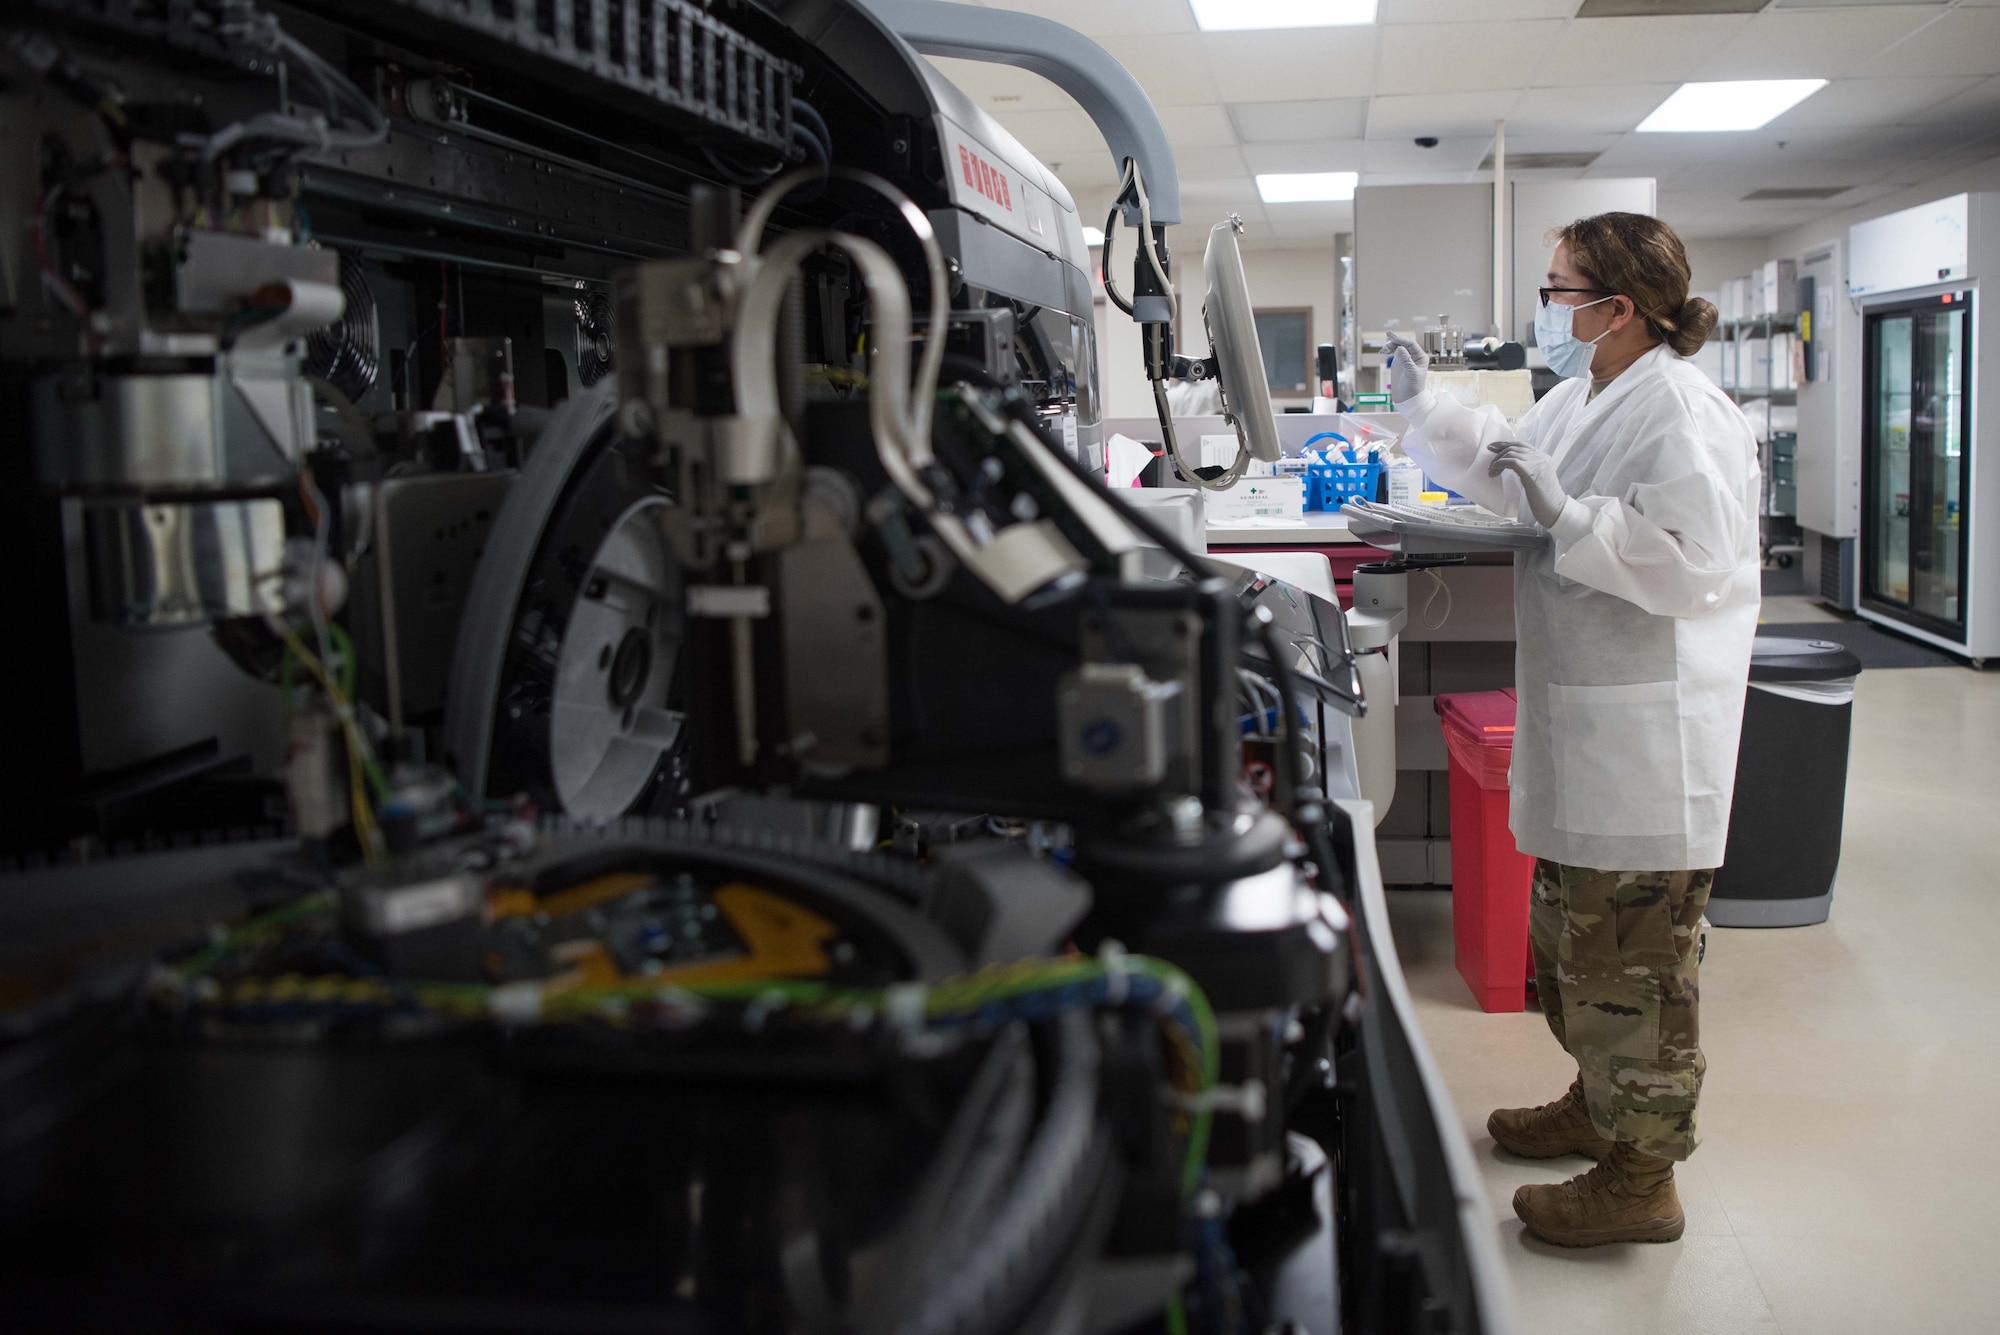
(1634, 630)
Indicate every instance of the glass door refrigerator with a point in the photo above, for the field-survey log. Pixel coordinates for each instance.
(1926, 287)
(1916, 467)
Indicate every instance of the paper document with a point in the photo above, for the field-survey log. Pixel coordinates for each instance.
(1124, 459)
(1217, 451)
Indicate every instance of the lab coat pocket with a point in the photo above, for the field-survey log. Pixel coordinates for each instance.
(1617, 752)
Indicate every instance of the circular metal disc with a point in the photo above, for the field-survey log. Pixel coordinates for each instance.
(576, 569)
(609, 727)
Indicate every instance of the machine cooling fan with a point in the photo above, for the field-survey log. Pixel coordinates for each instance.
(593, 337)
(347, 354)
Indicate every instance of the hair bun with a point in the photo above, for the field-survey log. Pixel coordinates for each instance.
(1693, 326)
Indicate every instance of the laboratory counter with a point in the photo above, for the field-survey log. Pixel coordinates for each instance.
(1320, 528)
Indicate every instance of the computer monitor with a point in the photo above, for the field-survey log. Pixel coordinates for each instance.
(1232, 332)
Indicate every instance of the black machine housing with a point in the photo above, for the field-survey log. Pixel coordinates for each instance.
(278, 1170)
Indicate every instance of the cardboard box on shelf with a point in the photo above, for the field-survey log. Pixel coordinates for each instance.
(1759, 413)
(1753, 365)
(1783, 375)
(1779, 288)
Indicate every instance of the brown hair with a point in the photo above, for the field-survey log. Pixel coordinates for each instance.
(1640, 258)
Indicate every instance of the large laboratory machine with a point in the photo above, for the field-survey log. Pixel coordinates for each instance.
(589, 751)
(1930, 466)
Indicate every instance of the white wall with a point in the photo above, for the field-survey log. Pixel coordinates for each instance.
(1540, 207)
(1297, 278)
(1421, 251)
(1277, 278)
(1715, 262)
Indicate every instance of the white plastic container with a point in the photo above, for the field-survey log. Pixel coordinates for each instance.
(1406, 483)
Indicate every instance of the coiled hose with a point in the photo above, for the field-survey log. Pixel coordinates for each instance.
(1002, 1273)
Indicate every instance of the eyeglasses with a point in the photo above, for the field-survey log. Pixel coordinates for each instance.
(1545, 291)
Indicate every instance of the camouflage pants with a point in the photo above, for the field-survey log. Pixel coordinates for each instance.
(1615, 967)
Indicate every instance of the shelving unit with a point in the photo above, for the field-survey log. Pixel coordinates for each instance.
(1778, 524)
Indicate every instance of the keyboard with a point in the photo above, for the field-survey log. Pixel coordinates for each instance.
(1464, 516)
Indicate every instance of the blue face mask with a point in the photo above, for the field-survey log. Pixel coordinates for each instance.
(1567, 354)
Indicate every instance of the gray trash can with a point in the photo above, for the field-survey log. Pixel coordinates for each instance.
(1791, 786)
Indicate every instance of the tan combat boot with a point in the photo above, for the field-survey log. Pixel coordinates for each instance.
(1558, 1128)
(1629, 1197)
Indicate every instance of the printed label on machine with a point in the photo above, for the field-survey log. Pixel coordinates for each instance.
(981, 184)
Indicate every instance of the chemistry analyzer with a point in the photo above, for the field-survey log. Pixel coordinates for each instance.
(591, 752)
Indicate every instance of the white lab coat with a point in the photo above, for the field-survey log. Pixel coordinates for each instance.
(1194, 398)
(1634, 631)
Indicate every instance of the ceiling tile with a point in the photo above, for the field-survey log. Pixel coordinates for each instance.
(1460, 156)
(1915, 93)
(1293, 66)
(1518, 143)
(1001, 88)
(1811, 44)
(1417, 178)
(1978, 105)
(1291, 122)
(1463, 57)
(1958, 41)
(1862, 194)
(1296, 220)
(1986, 157)
(1218, 196)
(1047, 133)
(1172, 67)
(1203, 164)
(1597, 109)
(1882, 145)
(1859, 104)
(1084, 174)
(1339, 218)
(1329, 155)
(1108, 18)
(1619, 9)
(1200, 126)
(1094, 165)
(1474, 11)
(1664, 49)
(1729, 182)
(1439, 114)
(1656, 154)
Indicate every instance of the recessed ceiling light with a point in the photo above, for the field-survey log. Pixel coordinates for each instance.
(1739, 104)
(1093, 236)
(1307, 187)
(1237, 15)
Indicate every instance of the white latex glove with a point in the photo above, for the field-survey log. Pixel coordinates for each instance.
(1537, 472)
(1412, 364)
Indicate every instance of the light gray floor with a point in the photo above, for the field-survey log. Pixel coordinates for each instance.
(1791, 610)
(1850, 1167)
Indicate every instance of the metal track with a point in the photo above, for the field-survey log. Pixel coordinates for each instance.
(669, 50)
